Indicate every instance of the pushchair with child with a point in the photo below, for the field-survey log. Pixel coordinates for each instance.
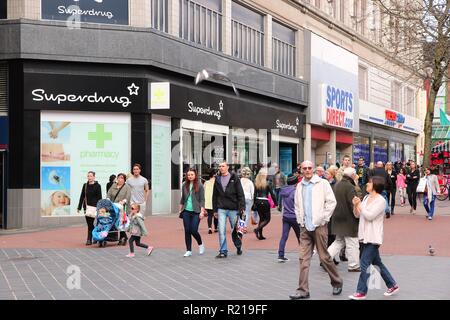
(111, 219)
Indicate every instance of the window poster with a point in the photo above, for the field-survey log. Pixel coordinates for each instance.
(73, 144)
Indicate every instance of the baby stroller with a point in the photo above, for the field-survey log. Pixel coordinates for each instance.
(110, 221)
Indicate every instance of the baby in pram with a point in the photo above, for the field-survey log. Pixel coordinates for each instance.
(111, 218)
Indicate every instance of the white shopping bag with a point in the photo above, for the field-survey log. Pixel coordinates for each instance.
(422, 185)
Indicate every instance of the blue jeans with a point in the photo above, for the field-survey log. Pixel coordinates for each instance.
(429, 209)
(232, 217)
(248, 209)
(387, 209)
(277, 196)
(191, 220)
(288, 223)
(371, 255)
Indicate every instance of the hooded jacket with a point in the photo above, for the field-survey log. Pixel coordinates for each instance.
(344, 222)
(232, 198)
(137, 226)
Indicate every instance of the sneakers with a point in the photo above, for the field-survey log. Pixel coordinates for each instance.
(239, 251)
(209, 231)
(221, 256)
(149, 250)
(188, 254)
(357, 296)
(201, 249)
(430, 218)
(130, 255)
(392, 291)
(282, 259)
(358, 269)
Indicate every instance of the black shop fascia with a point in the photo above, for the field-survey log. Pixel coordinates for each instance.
(222, 107)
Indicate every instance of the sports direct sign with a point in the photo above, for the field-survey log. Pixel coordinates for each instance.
(337, 107)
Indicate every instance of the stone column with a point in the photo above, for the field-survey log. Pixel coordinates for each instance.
(226, 26)
(268, 41)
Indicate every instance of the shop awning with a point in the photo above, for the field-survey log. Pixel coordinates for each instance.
(444, 146)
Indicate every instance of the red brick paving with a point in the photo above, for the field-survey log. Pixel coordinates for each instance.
(404, 235)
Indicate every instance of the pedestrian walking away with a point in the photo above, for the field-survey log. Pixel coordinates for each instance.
(431, 191)
(392, 191)
(209, 186)
(344, 224)
(287, 195)
(412, 181)
(370, 233)
(314, 205)
(261, 202)
(249, 191)
(91, 193)
(192, 208)
(228, 202)
(121, 192)
(137, 230)
(139, 188)
(279, 181)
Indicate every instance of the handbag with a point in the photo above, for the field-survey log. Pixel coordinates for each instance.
(422, 185)
(89, 211)
(271, 203)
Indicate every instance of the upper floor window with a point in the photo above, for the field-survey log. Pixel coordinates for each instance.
(247, 34)
(160, 15)
(3, 10)
(317, 3)
(283, 49)
(201, 22)
(363, 82)
(410, 102)
(341, 10)
(396, 96)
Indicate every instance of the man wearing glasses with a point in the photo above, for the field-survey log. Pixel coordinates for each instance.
(313, 214)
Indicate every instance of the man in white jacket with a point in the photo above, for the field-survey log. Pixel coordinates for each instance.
(314, 205)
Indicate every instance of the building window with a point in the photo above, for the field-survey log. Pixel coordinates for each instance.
(3, 10)
(363, 82)
(342, 11)
(396, 96)
(160, 15)
(201, 22)
(396, 152)
(283, 49)
(410, 102)
(247, 34)
(380, 150)
(317, 3)
(361, 148)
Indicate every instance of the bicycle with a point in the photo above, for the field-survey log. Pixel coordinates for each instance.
(444, 189)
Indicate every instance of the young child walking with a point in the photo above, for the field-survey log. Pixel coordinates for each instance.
(137, 230)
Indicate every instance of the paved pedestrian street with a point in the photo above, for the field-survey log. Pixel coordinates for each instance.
(106, 274)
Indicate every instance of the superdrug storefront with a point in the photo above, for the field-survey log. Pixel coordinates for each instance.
(68, 119)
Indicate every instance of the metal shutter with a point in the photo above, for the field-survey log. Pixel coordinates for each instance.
(3, 88)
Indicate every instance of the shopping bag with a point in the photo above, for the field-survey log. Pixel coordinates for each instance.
(252, 220)
(422, 185)
(271, 203)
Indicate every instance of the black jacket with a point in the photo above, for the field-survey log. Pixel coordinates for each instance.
(412, 177)
(393, 178)
(232, 198)
(362, 173)
(265, 194)
(93, 193)
(381, 172)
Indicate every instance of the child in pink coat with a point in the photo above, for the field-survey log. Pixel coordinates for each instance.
(401, 186)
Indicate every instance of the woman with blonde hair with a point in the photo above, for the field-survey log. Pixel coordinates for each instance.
(261, 201)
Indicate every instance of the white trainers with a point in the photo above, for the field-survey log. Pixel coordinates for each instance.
(201, 249)
(188, 254)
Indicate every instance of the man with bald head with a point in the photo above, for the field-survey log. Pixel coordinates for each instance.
(314, 206)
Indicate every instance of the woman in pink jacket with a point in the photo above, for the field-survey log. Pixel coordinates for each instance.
(370, 233)
(401, 186)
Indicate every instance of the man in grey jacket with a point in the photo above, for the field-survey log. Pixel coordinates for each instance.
(314, 205)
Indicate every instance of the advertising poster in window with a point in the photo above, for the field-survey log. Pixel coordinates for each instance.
(73, 144)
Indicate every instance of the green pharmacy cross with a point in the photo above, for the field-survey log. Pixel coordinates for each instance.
(100, 136)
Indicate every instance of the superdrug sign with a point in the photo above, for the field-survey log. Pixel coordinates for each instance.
(85, 93)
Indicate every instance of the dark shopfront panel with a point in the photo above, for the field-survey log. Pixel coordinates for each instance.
(383, 144)
(245, 117)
